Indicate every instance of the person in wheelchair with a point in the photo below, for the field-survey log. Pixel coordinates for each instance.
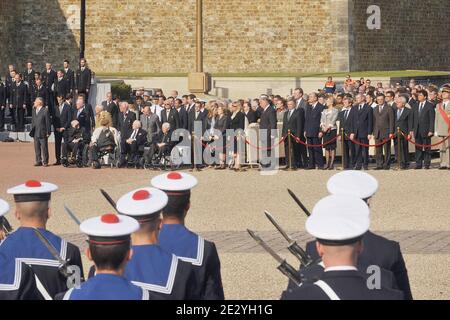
(162, 145)
(132, 147)
(105, 139)
(76, 140)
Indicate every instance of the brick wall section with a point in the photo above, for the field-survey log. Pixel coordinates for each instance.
(420, 41)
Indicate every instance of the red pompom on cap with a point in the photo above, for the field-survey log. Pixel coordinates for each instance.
(141, 195)
(174, 176)
(33, 184)
(110, 218)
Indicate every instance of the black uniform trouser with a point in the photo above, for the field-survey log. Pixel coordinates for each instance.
(423, 155)
(404, 151)
(41, 150)
(315, 153)
(300, 154)
(362, 154)
(383, 161)
(58, 140)
(349, 154)
(18, 118)
(2, 118)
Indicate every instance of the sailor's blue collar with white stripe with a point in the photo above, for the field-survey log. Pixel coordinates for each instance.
(107, 287)
(152, 268)
(10, 273)
(26, 246)
(186, 245)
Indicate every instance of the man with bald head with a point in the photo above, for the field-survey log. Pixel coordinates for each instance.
(133, 144)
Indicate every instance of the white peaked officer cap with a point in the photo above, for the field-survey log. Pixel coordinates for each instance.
(32, 190)
(339, 220)
(109, 229)
(354, 183)
(174, 181)
(4, 207)
(142, 202)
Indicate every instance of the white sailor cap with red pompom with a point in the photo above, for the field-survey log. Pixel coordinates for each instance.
(142, 202)
(32, 190)
(353, 183)
(4, 207)
(174, 181)
(109, 228)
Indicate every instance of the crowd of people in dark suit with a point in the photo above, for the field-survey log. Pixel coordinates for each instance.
(356, 115)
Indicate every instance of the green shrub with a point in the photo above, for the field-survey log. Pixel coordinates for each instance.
(121, 90)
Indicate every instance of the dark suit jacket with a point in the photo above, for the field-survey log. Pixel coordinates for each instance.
(362, 121)
(141, 137)
(40, 123)
(295, 122)
(72, 134)
(251, 116)
(19, 95)
(192, 119)
(112, 108)
(405, 123)
(29, 77)
(238, 122)
(2, 95)
(222, 124)
(41, 93)
(384, 122)
(268, 119)
(69, 76)
(423, 122)
(173, 119)
(83, 79)
(48, 79)
(62, 120)
(61, 87)
(312, 120)
(86, 118)
(126, 124)
(182, 114)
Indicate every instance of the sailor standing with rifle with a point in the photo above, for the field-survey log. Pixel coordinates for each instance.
(17, 280)
(338, 223)
(47, 254)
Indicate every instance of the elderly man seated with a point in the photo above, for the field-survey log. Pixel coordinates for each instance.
(133, 145)
(162, 144)
(104, 139)
(75, 140)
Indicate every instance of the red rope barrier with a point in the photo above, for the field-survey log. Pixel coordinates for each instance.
(298, 140)
(424, 145)
(266, 148)
(371, 145)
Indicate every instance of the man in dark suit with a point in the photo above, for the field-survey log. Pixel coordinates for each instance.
(267, 128)
(133, 144)
(383, 129)
(423, 129)
(28, 78)
(40, 131)
(39, 91)
(170, 115)
(61, 85)
(345, 117)
(126, 119)
(2, 105)
(292, 121)
(110, 106)
(48, 80)
(404, 121)
(313, 132)
(83, 79)
(69, 76)
(362, 127)
(182, 113)
(61, 122)
(196, 116)
(84, 114)
(19, 102)
(9, 81)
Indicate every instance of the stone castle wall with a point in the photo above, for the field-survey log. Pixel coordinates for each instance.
(158, 36)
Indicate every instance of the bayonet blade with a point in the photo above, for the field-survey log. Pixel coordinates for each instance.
(283, 233)
(72, 215)
(109, 199)
(50, 247)
(299, 203)
(265, 246)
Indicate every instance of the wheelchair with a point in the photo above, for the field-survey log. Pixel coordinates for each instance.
(106, 156)
(161, 160)
(79, 158)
